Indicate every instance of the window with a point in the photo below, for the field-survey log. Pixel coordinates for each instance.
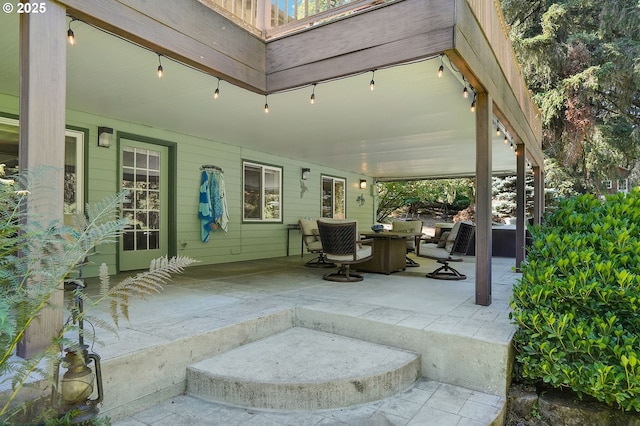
(73, 162)
(606, 184)
(262, 199)
(333, 197)
(73, 172)
(623, 185)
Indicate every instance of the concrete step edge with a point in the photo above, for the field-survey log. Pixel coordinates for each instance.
(303, 369)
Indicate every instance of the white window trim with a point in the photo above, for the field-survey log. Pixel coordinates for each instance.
(79, 136)
(263, 169)
(334, 179)
(623, 185)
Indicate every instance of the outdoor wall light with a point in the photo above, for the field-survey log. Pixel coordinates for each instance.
(105, 136)
(305, 173)
(363, 184)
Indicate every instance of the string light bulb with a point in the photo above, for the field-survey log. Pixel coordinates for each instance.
(71, 38)
(473, 104)
(216, 93)
(266, 105)
(372, 83)
(498, 130)
(506, 139)
(160, 69)
(465, 92)
(312, 99)
(441, 69)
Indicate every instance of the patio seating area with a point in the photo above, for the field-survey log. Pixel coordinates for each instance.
(464, 349)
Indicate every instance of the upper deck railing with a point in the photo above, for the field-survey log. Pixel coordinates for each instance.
(273, 18)
(291, 15)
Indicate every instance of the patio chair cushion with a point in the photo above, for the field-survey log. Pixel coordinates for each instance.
(432, 251)
(362, 252)
(314, 246)
(451, 238)
(443, 240)
(310, 234)
(410, 226)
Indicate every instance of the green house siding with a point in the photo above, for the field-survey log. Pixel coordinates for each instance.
(243, 241)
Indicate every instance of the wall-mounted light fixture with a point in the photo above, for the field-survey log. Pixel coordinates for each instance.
(105, 136)
(363, 184)
(305, 173)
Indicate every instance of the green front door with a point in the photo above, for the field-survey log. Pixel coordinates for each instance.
(144, 173)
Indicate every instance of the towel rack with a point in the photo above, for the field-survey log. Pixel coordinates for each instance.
(211, 167)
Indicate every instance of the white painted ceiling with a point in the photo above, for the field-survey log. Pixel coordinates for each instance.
(413, 124)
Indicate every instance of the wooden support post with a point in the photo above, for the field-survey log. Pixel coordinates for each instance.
(484, 132)
(42, 140)
(521, 203)
(538, 195)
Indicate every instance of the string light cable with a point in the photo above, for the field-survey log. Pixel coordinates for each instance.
(313, 85)
(216, 93)
(312, 99)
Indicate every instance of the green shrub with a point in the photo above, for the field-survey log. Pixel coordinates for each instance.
(461, 202)
(577, 304)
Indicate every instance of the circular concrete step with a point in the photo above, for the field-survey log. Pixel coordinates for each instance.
(303, 369)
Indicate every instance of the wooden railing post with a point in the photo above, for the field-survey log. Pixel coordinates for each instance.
(263, 16)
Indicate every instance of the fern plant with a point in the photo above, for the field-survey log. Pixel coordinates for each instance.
(35, 260)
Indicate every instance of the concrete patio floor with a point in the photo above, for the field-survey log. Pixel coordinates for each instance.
(209, 309)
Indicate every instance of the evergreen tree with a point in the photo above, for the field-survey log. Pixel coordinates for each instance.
(581, 60)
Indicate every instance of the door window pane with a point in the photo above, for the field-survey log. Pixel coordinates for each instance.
(154, 179)
(143, 204)
(127, 159)
(154, 162)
